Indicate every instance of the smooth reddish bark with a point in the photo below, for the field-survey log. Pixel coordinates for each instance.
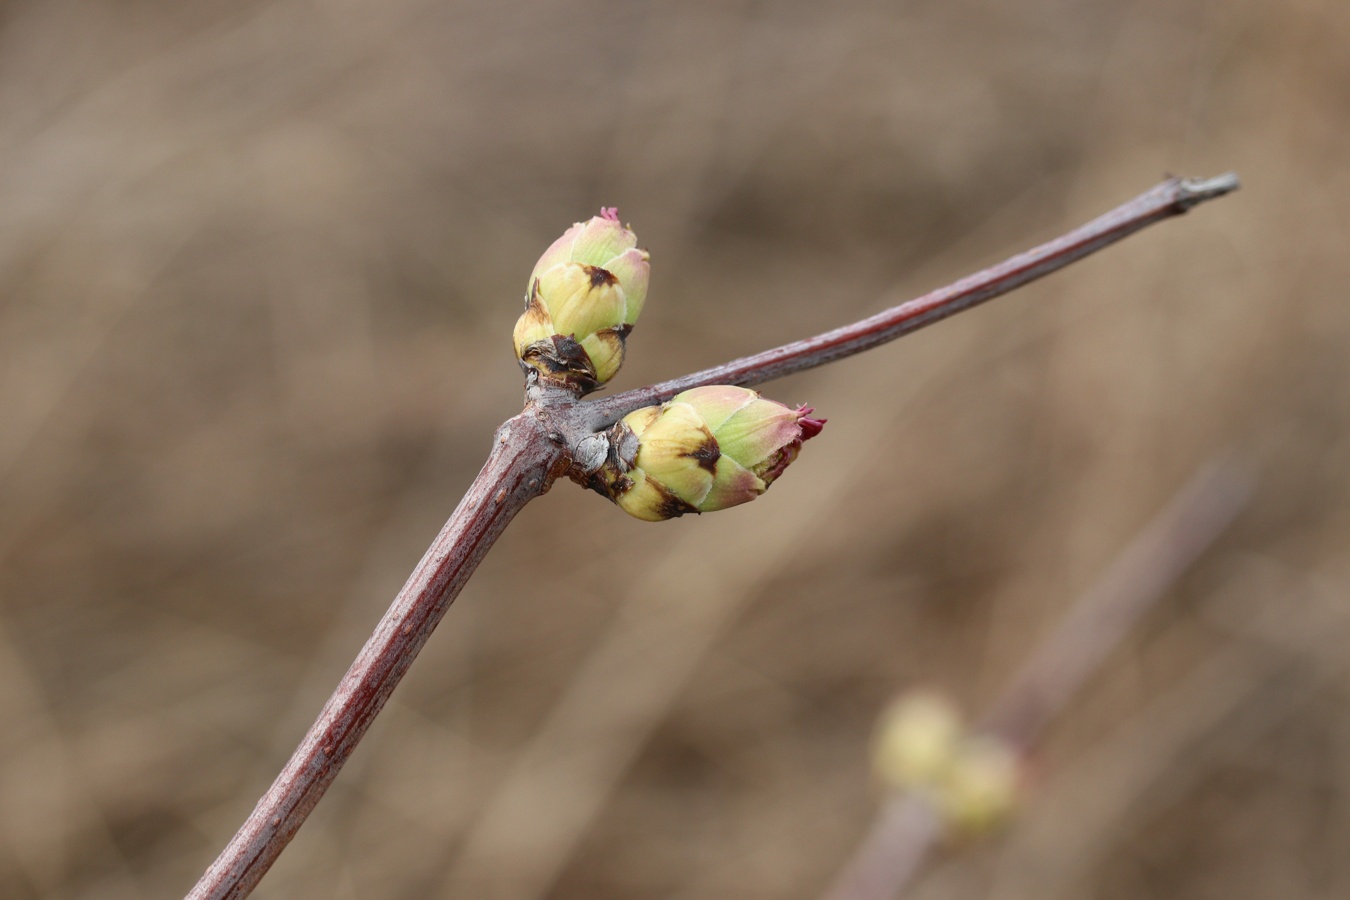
(1170, 198)
(533, 449)
(521, 466)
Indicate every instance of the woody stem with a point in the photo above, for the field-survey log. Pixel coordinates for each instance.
(1170, 198)
(536, 447)
(523, 462)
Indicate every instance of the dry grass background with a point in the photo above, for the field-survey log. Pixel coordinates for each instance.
(260, 262)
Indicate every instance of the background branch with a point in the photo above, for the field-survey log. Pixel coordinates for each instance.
(908, 826)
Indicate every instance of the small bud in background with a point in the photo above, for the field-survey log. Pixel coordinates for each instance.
(923, 746)
(980, 791)
(706, 449)
(916, 740)
(583, 297)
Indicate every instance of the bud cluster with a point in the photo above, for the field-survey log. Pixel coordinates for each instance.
(706, 449)
(924, 746)
(583, 297)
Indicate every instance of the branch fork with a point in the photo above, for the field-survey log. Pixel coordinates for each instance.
(559, 433)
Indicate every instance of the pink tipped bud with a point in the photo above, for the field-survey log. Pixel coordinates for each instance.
(707, 449)
(810, 427)
(584, 295)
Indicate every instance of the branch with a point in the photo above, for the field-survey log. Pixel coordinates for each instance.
(1140, 576)
(522, 464)
(1170, 198)
(908, 826)
(534, 448)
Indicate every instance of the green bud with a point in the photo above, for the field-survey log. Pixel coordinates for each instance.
(707, 449)
(980, 792)
(584, 295)
(917, 740)
(923, 746)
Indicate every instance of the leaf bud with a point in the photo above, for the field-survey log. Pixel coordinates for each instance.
(706, 449)
(924, 746)
(583, 297)
(917, 740)
(981, 789)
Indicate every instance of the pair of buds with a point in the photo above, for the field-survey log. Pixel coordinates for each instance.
(924, 747)
(706, 449)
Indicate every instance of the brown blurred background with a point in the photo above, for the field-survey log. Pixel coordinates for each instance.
(260, 263)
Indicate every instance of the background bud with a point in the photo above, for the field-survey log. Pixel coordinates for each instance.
(924, 746)
(980, 791)
(583, 297)
(917, 740)
(707, 449)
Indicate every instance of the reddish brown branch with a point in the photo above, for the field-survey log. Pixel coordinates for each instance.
(520, 467)
(1141, 575)
(908, 826)
(533, 449)
(1170, 198)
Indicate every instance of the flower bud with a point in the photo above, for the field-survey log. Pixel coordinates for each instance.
(980, 792)
(917, 740)
(584, 295)
(706, 449)
(923, 746)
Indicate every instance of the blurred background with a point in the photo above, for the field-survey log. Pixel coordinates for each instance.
(260, 263)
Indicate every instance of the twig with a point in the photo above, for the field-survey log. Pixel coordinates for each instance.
(535, 448)
(1140, 576)
(1237, 694)
(908, 826)
(1170, 198)
(517, 470)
